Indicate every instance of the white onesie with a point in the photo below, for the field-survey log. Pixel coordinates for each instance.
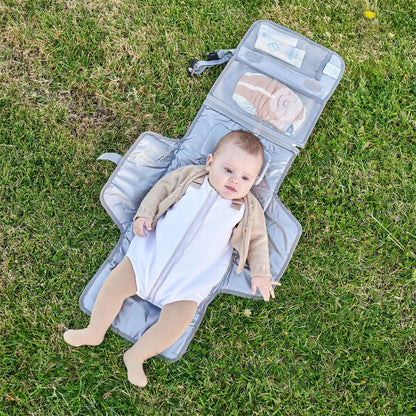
(189, 250)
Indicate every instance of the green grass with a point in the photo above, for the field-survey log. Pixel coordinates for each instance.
(81, 78)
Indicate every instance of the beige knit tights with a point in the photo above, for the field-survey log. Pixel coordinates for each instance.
(121, 283)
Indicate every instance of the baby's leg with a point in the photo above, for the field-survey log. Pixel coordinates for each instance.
(120, 284)
(174, 319)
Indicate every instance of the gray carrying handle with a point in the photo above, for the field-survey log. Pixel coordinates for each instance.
(220, 56)
(112, 157)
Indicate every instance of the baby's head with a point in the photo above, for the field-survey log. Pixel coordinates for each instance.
(235, 164)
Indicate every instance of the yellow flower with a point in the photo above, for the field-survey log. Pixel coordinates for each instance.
(369, 14)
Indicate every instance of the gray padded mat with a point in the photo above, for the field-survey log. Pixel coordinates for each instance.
(271, 61)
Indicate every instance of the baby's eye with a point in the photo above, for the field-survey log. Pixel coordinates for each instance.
(228, 170)
(245, 178)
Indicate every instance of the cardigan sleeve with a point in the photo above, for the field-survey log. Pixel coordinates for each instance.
(250, 239)
(166, 192)
(164, 187)
(258, 250)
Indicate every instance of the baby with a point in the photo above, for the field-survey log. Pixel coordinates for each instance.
(185, 231)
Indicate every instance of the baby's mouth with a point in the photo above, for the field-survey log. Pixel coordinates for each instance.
(230, 188)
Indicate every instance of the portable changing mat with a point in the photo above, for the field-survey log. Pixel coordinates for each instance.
(275, 85)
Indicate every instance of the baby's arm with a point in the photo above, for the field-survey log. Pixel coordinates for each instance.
(155, 201)
(140, 224)
(258, 256)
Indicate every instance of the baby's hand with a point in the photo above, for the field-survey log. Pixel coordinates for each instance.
(265, 286)
(139, 226)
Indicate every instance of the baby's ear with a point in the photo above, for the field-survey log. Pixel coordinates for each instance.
(263, 171)
(208, 163)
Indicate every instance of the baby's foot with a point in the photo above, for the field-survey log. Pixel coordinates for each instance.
(78, 337)
(135, 372)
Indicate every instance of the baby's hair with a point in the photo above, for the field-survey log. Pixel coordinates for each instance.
(244, 140)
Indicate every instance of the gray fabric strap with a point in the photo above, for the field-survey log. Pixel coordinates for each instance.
(112, 157)
(220, 56)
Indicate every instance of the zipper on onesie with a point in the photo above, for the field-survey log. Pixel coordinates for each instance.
(185, 241)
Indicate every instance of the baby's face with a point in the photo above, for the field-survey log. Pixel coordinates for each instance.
(232, 171)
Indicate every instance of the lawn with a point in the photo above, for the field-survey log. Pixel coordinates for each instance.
(80, 78)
